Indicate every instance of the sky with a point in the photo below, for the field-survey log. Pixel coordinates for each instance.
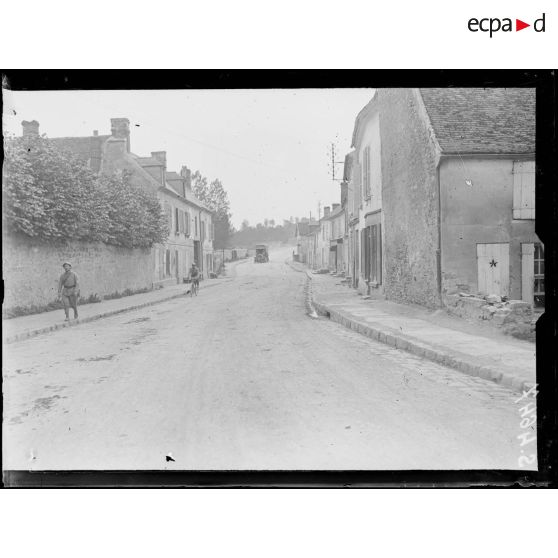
(270, 148)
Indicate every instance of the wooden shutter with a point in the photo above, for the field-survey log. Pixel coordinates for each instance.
(379, 254)
(527, 272)
(524, 190)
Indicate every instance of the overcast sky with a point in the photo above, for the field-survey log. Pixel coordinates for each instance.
(268, 147)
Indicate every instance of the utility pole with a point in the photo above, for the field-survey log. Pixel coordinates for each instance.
(333, 156)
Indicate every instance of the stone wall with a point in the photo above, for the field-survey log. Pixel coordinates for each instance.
(409, 200)
(31, 270)
(513, 317)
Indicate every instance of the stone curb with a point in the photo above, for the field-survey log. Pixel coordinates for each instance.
(308, 296)
(422, 350)
(34, 332)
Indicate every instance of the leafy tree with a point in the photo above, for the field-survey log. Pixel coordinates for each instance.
(214, 196)
(53, 195)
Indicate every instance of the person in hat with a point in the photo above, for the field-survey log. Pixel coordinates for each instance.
(68, 290)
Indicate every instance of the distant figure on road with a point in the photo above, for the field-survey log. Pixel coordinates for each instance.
(195, 275)
(68, 290)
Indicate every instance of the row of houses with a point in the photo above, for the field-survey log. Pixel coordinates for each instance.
(437, 198)
(190, 221)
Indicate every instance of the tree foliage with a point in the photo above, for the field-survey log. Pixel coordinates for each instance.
(249, 236)
(214, 196)
(53, 195)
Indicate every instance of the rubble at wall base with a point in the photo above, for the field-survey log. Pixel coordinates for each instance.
(513, 317)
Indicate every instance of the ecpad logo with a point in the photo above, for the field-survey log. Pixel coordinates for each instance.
(493, 25)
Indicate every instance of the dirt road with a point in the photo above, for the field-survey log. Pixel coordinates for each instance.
(241, 378)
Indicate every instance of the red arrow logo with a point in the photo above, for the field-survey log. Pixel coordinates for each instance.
(519, 25)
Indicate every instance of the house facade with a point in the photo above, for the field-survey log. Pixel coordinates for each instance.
(367, 158)
(190, 222)
(455, 204)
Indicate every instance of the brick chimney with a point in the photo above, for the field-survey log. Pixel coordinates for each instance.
(120, 128)
(326, 211)
(30, 128)
(344, 191)
(161, 156)
(186, 173)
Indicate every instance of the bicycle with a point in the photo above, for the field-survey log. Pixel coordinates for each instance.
(195, 287)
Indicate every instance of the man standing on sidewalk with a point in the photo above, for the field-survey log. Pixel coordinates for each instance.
(68, 290)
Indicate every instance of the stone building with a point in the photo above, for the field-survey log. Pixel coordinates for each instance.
(190, 221)
(306, 234)
(446, 194)
(367, 173)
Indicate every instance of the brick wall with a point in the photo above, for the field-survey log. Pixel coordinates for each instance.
(409, 200)
(31, 269)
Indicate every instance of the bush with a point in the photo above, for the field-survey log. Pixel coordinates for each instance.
(53, 195)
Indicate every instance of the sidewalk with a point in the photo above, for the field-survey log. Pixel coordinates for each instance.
(24, 327)
(473, 348)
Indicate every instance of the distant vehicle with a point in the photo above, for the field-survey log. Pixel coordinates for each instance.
(261, 254)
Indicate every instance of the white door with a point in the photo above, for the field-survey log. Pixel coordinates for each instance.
(493, 264)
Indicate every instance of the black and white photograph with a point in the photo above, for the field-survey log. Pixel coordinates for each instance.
(271, 279)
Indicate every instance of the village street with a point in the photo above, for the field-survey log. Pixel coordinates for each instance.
(241, 378)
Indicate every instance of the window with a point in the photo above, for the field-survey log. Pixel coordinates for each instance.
(187, 223)
(524, 189)
(167, 263)
(169, 216)
(356, 189)
(538, 261)
(366, 172)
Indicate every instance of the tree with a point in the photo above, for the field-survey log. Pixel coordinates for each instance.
(55, 196)
(215, 198)
(245, 225)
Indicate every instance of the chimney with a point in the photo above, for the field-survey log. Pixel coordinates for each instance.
(344, 191)
(186, 173)
(326, 211)
(161, 156)
(30, 128)
(95, 133)
(334, 206)
(120, 128)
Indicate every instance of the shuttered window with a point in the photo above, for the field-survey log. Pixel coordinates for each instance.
(524, 189)
(169, 216)
(366, 172)
(187, 223)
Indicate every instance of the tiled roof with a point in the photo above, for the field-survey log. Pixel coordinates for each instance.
(305, 227)
(171, 175)
(476, 120)
(87, 148)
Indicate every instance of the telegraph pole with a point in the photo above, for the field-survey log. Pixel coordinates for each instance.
(333, 162)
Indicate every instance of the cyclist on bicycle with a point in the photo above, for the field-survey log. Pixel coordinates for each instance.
(195, 276)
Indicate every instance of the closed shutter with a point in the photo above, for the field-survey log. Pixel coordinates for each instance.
(524, 190)
(527, 272)
(379, 254)
(357, 189)
(366, 171)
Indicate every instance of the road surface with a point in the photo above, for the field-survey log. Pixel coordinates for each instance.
(241, 378)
